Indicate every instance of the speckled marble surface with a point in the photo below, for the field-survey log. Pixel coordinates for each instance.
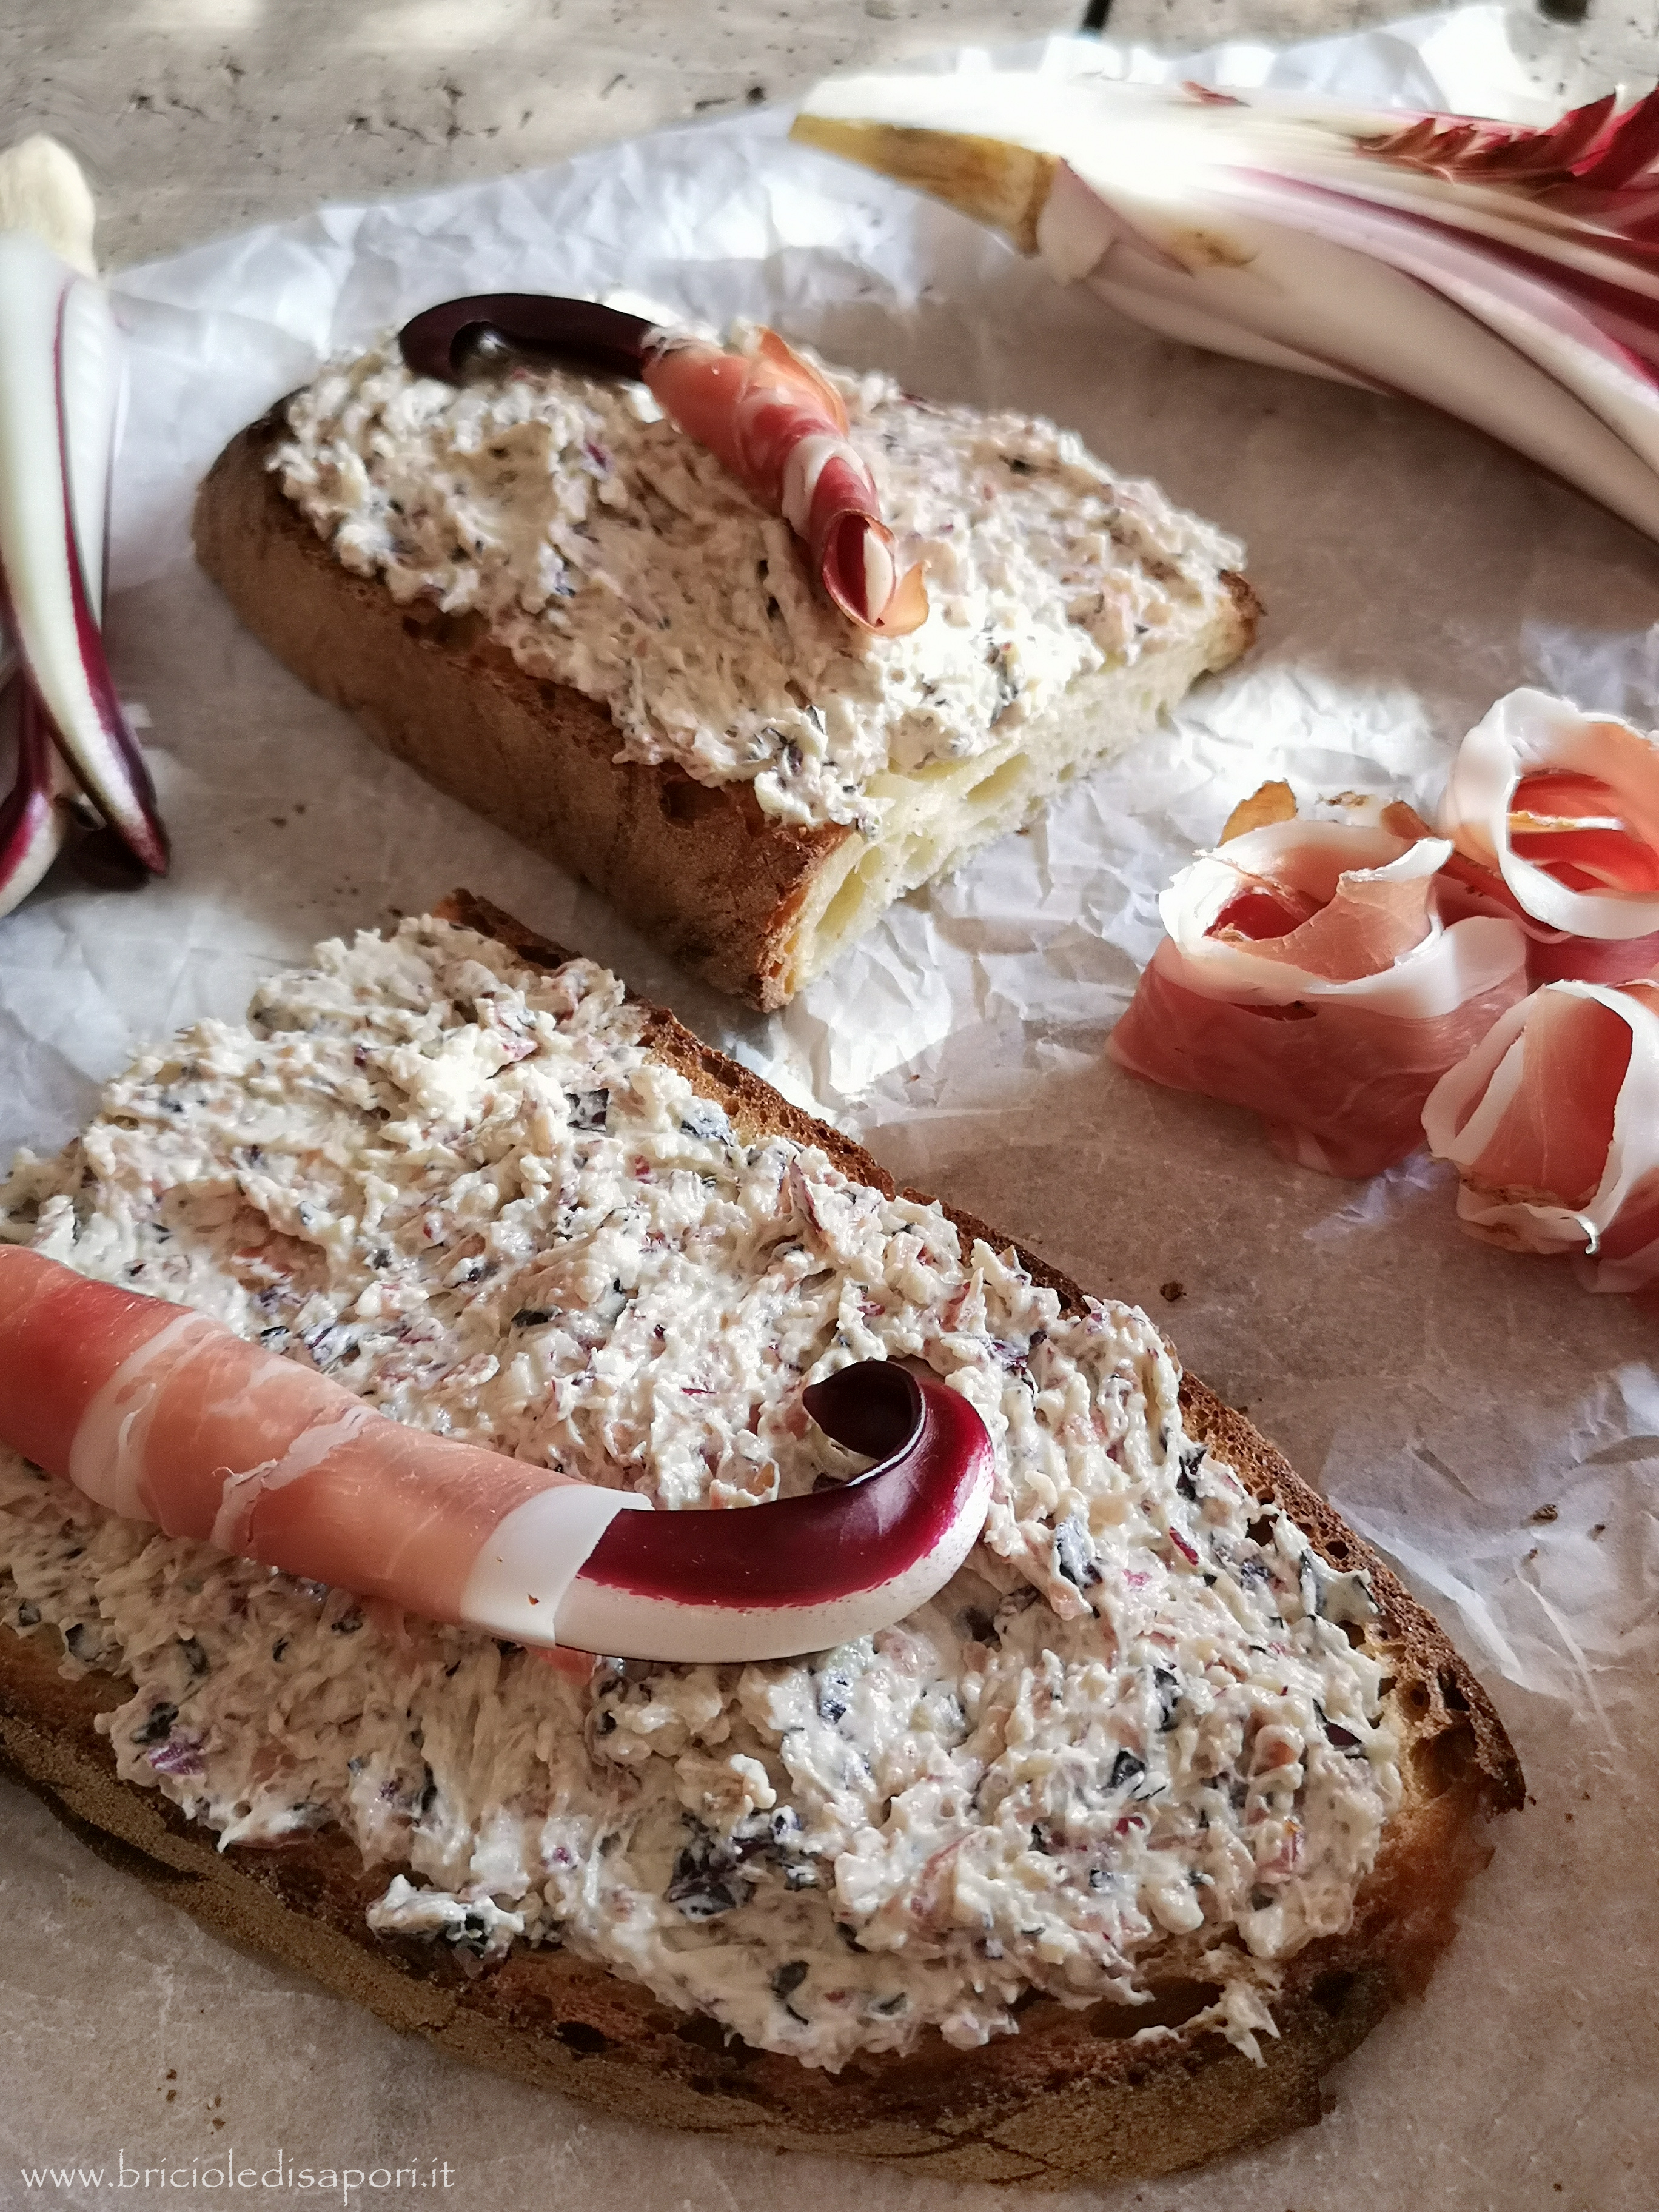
(198, 117)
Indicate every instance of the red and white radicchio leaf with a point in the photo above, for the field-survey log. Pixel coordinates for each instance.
(59, 390)
(804, 1573)
(1505, 274)
(35, 818)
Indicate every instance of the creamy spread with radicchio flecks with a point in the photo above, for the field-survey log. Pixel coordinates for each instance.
(1130, 1736)
(611, 553)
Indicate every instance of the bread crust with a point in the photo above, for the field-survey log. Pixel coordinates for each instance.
(1070, 2099)
(723, 884)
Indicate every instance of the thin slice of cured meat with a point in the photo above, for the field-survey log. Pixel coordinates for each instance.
(780, 427)
(1555, 816)
(1553, 1123)
(1307, 974)
(160, 1414)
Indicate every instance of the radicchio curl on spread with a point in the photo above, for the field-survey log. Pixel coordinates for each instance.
(163, 1415)
(772, 418)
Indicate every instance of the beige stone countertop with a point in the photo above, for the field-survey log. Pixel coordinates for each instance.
(199, 116)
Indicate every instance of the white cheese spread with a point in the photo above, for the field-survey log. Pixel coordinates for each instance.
(1130, 1737)
(611, 553)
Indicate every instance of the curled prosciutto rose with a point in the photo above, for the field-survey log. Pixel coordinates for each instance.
(1554, 814)
(1308, 973)
(1552, 1124)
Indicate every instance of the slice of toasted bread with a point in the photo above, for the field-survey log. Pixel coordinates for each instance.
(755, 904)
(1073, 2096)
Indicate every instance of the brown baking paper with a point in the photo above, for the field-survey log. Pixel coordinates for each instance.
(1492, 1427)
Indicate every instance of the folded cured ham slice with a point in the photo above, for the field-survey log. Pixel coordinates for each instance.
(1554, 814)
(1553, 1123)
(1307, 974)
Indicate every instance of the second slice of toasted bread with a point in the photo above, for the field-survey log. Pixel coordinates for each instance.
(752, 902)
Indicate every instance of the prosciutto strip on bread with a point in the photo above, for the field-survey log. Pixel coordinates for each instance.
(1554, 814)
(1553, 1123)
(780, 427)
(1306, 974)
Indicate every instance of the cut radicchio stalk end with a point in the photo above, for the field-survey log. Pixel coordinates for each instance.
(60, 375)
(802, 1574)
(34, 816)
